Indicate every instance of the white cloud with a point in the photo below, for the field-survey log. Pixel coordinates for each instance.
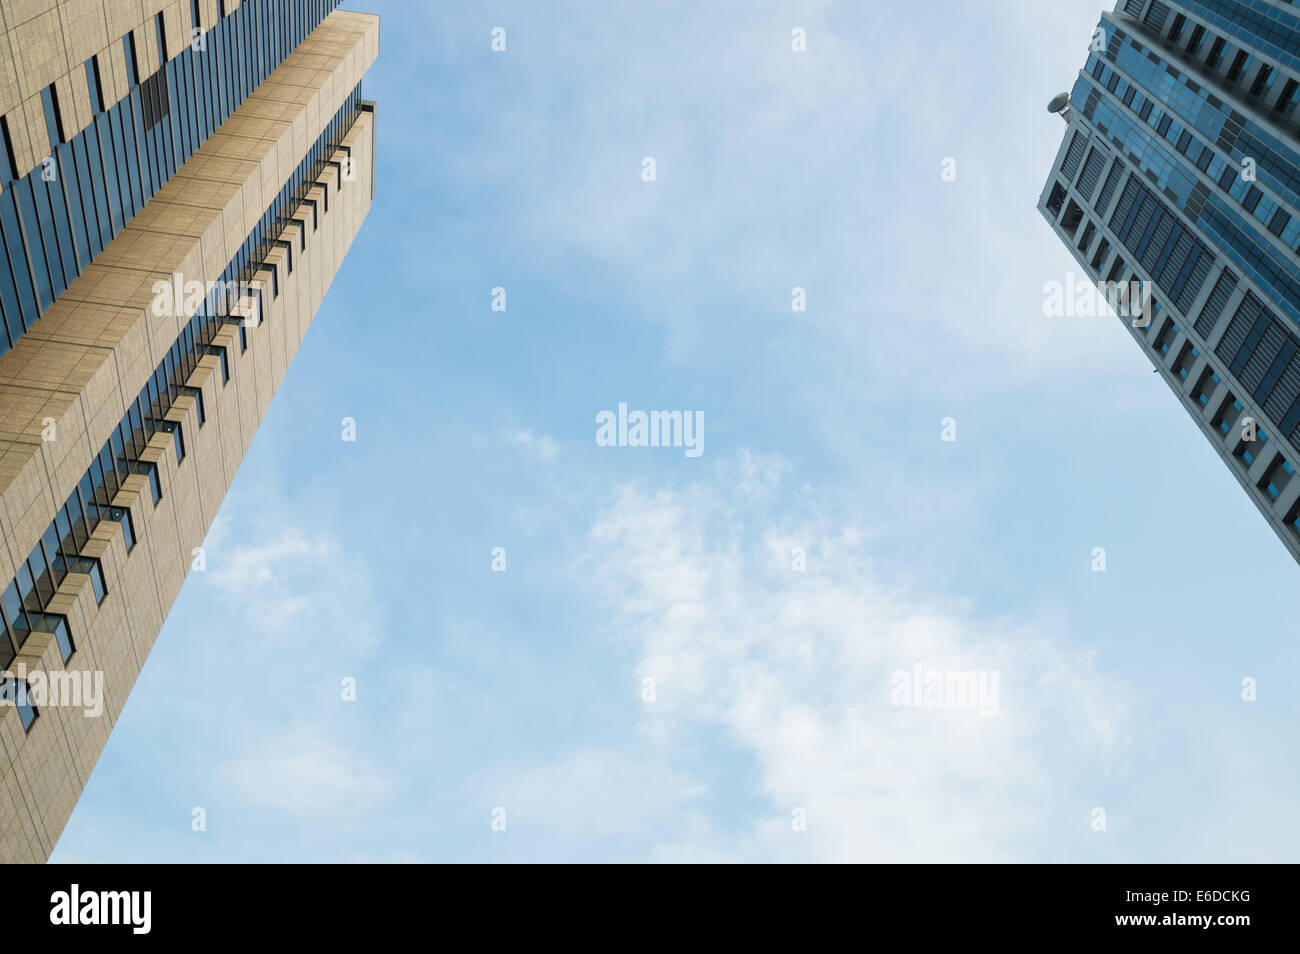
(304, 774)
(818, 169)
(592, 794)
(291, 583)
(544, 446)
(793, 670)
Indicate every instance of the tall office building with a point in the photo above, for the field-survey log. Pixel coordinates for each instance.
(1180, 167)
(179, 182)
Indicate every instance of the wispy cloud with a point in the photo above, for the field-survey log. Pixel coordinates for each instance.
(591, 794)
(794, 669)
(290, 582)
(818, 169)
(544, 446)
(310, 775)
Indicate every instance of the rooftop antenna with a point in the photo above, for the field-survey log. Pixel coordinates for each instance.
(1060, 104)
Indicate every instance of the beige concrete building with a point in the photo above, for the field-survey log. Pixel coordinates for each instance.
(174, 203)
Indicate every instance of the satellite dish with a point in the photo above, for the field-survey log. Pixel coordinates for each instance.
(1058, 103)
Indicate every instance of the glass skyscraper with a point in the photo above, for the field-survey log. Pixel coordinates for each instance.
(1180, 169)
(179, 183)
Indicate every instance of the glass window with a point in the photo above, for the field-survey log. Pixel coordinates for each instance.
(1290, 95)
(15, 692)
(1249, 449)
(1227, 416)
(66, 646)
(160, 29)
(53, 116)
(12, 167)
(11, 604)
(1281, 218)
(1277, 477)
(96, 573)
(1216, 53)
(1239, 63)
(94, 84)
(1263, 81)
(123, 516)
(132, 65)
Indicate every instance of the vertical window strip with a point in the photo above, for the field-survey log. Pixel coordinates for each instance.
(95, 84)
(53, 115)
(160, 28)
(132, 64)
(12, 169)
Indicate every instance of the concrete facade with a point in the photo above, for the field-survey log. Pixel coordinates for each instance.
(94, 349)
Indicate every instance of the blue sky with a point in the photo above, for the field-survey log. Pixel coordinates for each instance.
(522, 690)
